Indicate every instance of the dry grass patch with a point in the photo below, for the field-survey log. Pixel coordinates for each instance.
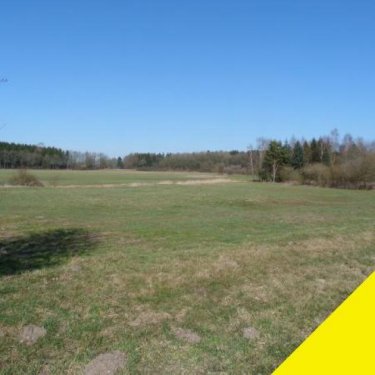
(169, 357)
(203, 181)
(186, 335)
(146, 317)
(106, 364)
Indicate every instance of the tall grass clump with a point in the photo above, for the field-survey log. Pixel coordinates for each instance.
(24, 178)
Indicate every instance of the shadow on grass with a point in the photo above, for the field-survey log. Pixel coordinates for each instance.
(39, 250)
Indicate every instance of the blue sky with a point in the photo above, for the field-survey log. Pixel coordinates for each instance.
(170, 75)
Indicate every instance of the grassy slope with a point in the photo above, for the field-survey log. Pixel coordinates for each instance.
(211, 258)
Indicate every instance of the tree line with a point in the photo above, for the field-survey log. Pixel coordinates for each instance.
(326, 161)
(15, 155)
(209, 161)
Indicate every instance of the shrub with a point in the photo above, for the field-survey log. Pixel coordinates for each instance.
(264, 175)
(220, 168)
(356, 173)
(289, 174)
(316, 174)
(25, 178)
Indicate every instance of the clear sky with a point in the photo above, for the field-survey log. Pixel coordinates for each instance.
(184, 75)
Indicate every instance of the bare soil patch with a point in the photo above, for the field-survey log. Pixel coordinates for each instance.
(31, 334)
(45, 371)
(106, 363)
(75, 268)
(250, 333)
(187, 335)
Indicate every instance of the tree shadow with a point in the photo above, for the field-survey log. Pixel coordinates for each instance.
(39, 250)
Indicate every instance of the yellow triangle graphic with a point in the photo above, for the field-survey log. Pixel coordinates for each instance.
(344, 343)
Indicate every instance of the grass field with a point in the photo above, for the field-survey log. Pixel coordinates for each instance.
(105, 177)
(115, 260)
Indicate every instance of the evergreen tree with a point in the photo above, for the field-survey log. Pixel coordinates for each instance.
(288, 152)
(276, 156)
(315, 151)
(297, 160)
(306, 152)
(119, 162)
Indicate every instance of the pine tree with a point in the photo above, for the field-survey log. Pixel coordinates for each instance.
(119, 162)
(288, 152)
(315, 151)
(306, 152)
(297, 160)
(276, 156)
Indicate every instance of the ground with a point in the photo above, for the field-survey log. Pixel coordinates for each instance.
(179, 273)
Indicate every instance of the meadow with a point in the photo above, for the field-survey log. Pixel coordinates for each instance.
(185, 273)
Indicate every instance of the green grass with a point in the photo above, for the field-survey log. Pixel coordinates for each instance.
(122, 266)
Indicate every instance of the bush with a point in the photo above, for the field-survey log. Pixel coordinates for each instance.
(316, 174)
(220, 168)
(358, 173)
(263, 175)
(24, 178)
(289, 174)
